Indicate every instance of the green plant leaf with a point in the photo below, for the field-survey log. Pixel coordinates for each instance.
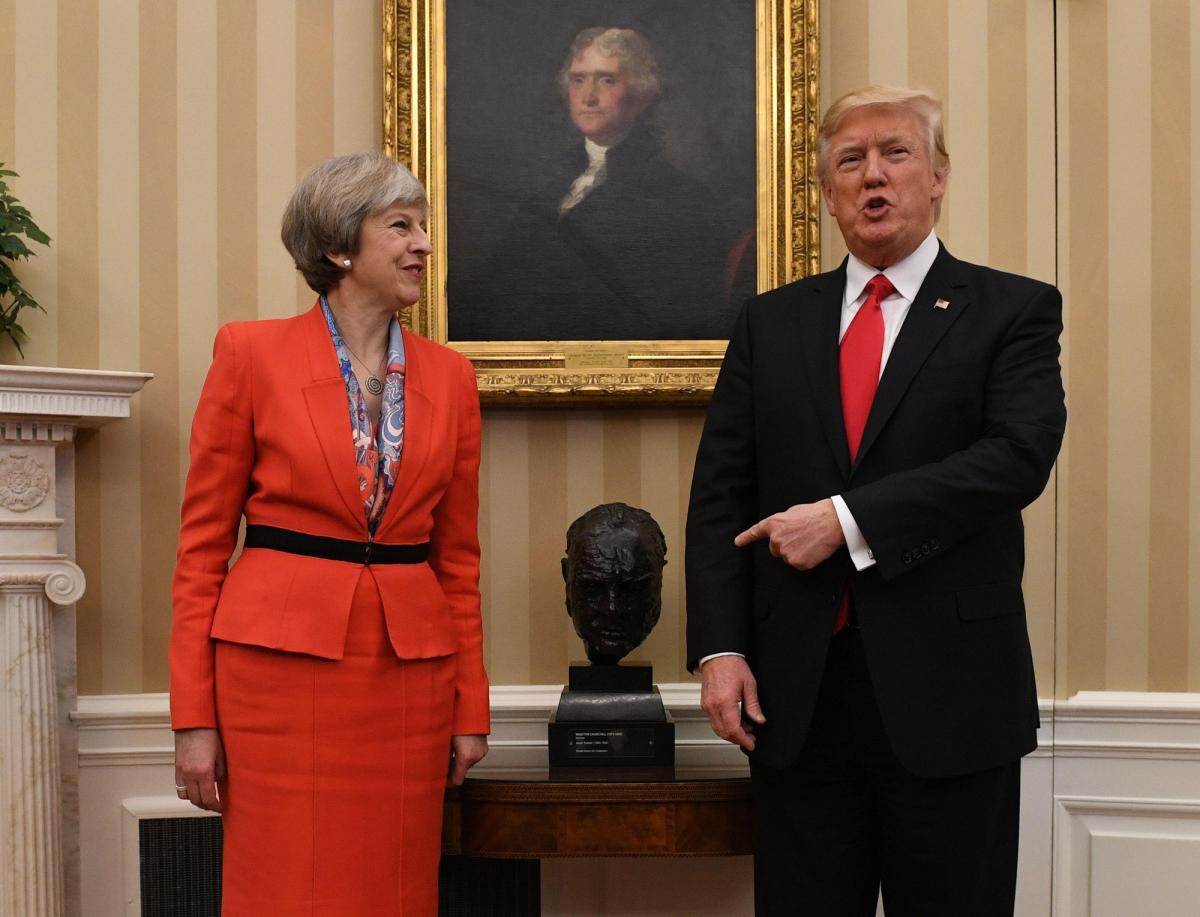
(15, 222)
(13, 247)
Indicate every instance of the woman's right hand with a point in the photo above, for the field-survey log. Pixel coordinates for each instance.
(199, 764)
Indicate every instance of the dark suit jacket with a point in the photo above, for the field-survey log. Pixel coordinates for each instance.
(963, 432)
(641, 256)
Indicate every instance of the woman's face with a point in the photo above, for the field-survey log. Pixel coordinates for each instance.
(390, 263)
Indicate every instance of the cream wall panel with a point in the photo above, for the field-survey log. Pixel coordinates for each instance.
(196, 87)
(661, 464)
(1170, 405)
(507, 584)
(1129, 229)
(34, 153)
(275, 85)
(1193, 502)
(1040, 229)
(1062, 200)
(1084, 248)
(887, 41)
(1007, 78)
(357, 63)
(237, 161)
(1132, 867)
(8, 77)
(158, 327)
(548, 519)
(1013, 23)
(966, 206)
(118, 203)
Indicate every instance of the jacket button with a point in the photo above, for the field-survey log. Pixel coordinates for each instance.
(907, 558)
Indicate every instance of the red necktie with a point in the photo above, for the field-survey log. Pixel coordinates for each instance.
(859, 357)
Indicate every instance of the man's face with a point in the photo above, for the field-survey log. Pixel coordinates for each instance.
(603, 104)
(614, 592)
(880, 185)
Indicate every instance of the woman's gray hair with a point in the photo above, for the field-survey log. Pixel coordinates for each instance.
(631, 48)
(925, 105)
(327, 209)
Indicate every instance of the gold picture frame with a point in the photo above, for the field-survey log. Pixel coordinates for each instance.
(786, 206)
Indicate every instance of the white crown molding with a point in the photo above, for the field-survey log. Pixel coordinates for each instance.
(88, 397)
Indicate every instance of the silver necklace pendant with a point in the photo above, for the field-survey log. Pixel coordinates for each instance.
(374, 386)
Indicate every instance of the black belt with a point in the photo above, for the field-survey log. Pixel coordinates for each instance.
(354, 552)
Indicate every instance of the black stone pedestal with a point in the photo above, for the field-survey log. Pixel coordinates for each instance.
(611, 725)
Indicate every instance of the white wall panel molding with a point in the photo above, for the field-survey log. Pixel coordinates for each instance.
(1135, 725)
(134, 729)
(1119, 856)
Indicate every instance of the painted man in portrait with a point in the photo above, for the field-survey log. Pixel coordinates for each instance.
(617, 243)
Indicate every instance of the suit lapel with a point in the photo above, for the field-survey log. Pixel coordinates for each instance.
(923, 328)
(329, 412)
(819, 345)
(418, 421)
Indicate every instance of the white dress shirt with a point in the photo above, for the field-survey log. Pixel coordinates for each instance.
(906, 276)
(591, 177)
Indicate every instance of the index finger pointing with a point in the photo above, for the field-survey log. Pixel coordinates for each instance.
(751, 535)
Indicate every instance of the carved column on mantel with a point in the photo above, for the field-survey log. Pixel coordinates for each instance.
(40, 410)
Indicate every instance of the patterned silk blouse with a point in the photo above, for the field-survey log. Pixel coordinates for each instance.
(377, 450)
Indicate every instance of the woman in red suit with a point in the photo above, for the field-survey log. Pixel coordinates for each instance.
(322, 688)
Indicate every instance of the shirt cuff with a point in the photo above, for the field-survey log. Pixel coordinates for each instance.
(860, 551)
(704, 659)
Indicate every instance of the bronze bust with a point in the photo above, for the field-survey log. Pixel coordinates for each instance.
(613, 573)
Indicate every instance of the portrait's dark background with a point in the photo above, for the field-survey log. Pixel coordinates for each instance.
(507, 129)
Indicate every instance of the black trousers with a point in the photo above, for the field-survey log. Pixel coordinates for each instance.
(848, 819)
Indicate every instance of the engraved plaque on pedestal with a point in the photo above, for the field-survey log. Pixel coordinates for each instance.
(598, 730)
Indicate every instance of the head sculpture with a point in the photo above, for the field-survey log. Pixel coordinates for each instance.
(613, 574)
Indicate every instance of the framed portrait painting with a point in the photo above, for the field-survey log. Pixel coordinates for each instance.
(609, 181)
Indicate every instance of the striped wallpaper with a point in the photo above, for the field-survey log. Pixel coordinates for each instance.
(158, 141)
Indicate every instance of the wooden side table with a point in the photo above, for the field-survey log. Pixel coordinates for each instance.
(536, 819)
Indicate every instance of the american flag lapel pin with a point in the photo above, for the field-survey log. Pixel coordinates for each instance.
(942, 304)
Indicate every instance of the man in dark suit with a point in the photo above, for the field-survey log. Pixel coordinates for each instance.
(855, 546)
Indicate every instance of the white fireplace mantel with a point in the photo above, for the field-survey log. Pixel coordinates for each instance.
(40, 410)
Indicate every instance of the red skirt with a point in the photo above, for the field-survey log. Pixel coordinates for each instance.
(336, 774)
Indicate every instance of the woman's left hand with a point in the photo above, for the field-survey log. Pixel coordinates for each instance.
(465, 752)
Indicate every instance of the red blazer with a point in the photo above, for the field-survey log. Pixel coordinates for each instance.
(271, 441)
